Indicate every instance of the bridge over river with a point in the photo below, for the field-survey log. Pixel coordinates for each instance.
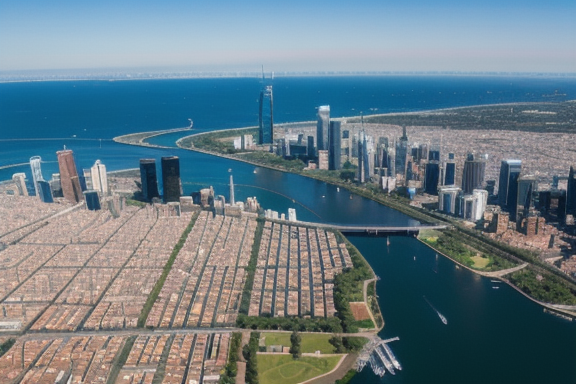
(376, 230)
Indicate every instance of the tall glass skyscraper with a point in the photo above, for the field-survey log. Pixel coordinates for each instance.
(334, 146)
(431, 178)
(527, 186)
(571, 193)
(148, 179)
(171, 179)
(322, 127)
(508, 185)
(36, 172)
(473, 175)
(266, 116)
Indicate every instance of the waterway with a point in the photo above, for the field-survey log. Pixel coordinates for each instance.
(492, 336)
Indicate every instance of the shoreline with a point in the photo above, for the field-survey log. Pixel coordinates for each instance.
(549, 306)
(127, 76)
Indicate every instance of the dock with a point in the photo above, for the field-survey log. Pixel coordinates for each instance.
(379, 356)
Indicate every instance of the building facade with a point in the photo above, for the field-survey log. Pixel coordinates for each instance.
(172, 187)
(99, 177)
(149, 179)
(334, 146)
(69, 179)
(508, 185)
(322, 127)
(266, 116)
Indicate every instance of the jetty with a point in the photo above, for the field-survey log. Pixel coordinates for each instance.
(378, 354)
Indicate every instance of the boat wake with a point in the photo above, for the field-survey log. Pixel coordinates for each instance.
(441, 316)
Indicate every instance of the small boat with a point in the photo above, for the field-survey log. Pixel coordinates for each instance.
(495, 281)
(388, 241)
(350, 197)
(337, 189)
(414, 258)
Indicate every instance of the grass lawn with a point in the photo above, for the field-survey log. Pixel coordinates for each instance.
(310, 342)
(430, 235)
(480, 262)
(282, 369)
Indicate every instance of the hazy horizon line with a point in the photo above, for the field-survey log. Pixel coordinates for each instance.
(117, 74)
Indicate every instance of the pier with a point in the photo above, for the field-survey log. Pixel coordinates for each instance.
(379, 356)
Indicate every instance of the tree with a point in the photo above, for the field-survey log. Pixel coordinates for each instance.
(295, 340)
(353, 344)
(336, 341)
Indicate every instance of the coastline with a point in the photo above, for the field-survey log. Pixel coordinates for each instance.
(131, 76)
(549, 306)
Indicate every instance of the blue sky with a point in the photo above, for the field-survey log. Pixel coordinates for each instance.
(297, 35)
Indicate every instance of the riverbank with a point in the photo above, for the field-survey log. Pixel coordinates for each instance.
(495, 250)
(550, 306)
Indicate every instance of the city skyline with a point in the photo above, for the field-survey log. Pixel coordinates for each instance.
(508, 36)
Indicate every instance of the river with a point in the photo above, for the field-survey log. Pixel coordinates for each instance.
(492, 335)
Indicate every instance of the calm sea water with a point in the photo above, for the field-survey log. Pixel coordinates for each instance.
(492, 336)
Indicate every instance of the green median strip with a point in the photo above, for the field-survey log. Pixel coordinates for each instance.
(120, 360)
(251, 269)
(160, 283)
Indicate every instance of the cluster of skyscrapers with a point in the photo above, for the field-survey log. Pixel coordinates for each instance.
(87, 186)
(171, 183)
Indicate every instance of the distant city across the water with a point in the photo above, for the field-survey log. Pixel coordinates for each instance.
(117, 74)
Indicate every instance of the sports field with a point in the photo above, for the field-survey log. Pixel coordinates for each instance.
(283, 369)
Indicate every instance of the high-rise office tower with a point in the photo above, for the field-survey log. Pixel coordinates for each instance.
(447, 199)
(310, 148)
(346, 143)
(232, 201)
(20, 180)
(266, 116)
(171, 179)
(334, 146)
(450, 170)
(361, 158)
(571, 193)
(99, 177)
(527, 186)
(45, 192)
(92, 200)
(450, 173)
(473, 175)
(431, 178)
(35, 166)
(422, 152)
(508, 185)
(401, 153)
(56, 185)
(148, 179)
(69, 176)
(368, 156)
(322, 127)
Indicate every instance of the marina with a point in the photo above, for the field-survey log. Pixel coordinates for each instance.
(378, 354)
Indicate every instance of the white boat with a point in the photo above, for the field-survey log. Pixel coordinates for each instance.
(441, 316)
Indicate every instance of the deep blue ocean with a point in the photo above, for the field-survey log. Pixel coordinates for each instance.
(492, 336)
